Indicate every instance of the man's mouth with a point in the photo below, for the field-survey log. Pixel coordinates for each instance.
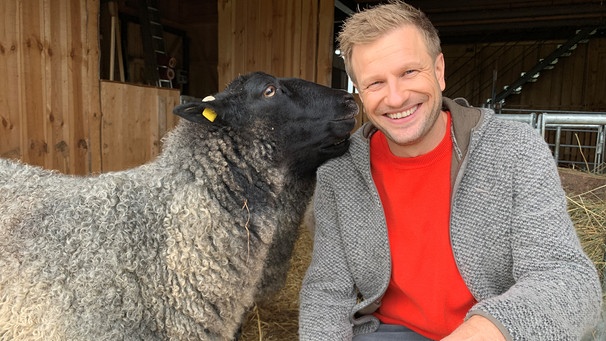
(402, 114)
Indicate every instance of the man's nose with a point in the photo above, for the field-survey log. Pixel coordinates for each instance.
(396, 94)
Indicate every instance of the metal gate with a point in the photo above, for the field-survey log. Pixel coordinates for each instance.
(576, 138)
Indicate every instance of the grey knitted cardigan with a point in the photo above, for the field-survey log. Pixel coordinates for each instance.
(513, 241)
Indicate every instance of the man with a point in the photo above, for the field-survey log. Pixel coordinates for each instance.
(442, 222)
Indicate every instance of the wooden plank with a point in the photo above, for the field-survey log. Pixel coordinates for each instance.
(576, 81)
(263, 38)
(31, 83)
(71, 38)
(157, 125)
(557, 90)
(287, 44)
(249, 25)
(459, 61)
(135, 118)
(275, 36)
(46, 52)
(307, 34)
(111, 100)
(554, 78)
(248, 48)
(565, 70)
(89, 139)
(10, 47)
(325, 20)
(226, 37)
(277, 56)
(163, 120)
(594, 98)
(297, 52)
(58, 73)
(599, 100)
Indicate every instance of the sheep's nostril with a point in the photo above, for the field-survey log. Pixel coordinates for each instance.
(352, 106)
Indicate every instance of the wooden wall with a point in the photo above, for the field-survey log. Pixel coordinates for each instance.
(49, 98)
(577, 82)
(54, 111)
(291, 38)
(135, 118)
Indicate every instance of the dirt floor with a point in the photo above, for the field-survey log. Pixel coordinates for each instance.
(276, 320)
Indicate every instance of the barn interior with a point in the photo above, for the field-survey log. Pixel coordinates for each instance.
(79, 96)
(531, 59)
(475, 26)
(522, 57)
(553, 29)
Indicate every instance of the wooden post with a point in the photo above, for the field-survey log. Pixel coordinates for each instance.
(116, 42)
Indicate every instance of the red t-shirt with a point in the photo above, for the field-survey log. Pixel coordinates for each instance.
(426, 292)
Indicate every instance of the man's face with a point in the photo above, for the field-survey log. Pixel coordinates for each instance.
(401, 86)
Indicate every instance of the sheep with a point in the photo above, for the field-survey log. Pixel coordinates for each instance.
(178, 248)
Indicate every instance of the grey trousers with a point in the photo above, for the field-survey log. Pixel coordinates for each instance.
(388, 332)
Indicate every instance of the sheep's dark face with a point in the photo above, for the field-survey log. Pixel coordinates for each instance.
(308, 123)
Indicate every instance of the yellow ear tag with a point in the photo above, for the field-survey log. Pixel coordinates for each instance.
(209, 114)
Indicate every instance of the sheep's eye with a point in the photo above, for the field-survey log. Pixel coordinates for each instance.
(269, 91)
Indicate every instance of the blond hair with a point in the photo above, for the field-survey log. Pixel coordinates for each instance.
(370, 24)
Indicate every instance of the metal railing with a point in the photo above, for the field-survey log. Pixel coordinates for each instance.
(584, 132)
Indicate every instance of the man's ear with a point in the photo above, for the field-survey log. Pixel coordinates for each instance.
(439, 71)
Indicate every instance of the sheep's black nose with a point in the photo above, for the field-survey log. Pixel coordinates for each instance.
(350, 103)
(349, 97)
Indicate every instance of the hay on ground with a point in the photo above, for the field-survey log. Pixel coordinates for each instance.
(588, 214)
(277, 320)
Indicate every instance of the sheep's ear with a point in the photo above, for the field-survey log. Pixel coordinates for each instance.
(197, 112)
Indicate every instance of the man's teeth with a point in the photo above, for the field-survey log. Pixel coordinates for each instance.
(402, 114)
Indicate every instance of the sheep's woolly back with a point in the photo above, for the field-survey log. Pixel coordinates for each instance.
(179, 248)
(164, 247)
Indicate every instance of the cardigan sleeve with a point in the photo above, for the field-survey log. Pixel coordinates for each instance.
(556, 293)
(327, 295)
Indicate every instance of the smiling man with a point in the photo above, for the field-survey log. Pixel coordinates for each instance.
(411, 120)
(442, 222)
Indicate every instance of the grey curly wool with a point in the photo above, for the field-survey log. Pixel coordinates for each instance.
(178, 248)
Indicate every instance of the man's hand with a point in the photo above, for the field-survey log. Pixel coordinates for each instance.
(477, 328)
